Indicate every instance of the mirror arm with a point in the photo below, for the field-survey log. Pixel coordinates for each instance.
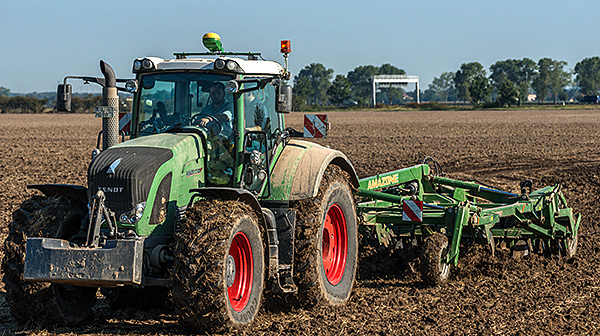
(99, 81)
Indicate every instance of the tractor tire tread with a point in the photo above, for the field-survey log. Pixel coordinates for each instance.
(307, 272)
(35, 302)
(199, 246)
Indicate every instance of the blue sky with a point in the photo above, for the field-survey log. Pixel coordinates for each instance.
(43, 41)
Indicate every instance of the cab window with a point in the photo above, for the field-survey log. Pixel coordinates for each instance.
(260, 115)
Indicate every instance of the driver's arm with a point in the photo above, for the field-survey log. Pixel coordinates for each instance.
(224, 116)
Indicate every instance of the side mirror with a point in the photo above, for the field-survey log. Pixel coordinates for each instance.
(284, 99)
(63, 98)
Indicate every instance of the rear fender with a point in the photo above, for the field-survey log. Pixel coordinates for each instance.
(299, 169)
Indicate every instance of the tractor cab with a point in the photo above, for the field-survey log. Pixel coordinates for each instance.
(228, 99)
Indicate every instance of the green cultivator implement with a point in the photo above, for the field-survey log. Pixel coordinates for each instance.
(441, 213)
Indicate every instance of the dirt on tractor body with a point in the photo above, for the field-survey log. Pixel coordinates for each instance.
(485, 295)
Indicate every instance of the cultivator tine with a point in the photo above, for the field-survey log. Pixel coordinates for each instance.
(490, 239)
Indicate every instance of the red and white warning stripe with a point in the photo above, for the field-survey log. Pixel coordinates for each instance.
(412, 211)
(125, 122)
(315, 125)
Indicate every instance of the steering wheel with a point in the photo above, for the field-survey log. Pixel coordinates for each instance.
(213, 127)
(195, 120)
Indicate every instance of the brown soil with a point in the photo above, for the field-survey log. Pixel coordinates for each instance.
(485, 295)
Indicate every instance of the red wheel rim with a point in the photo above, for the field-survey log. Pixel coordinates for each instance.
(335, 244)
(239, 272)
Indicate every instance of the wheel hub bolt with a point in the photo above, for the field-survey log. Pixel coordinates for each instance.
(230, 271)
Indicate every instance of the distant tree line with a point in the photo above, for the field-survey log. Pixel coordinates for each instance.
(315, 85)
(45, 102)
(21, 104)
(510, 82)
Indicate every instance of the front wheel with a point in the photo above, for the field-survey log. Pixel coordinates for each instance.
(218, 274)
(43, 303)
(327, 242)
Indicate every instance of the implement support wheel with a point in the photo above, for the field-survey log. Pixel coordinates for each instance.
(433, 270)
(326, 235)
(219, 267)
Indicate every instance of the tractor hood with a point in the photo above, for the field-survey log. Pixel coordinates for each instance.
(132, 172)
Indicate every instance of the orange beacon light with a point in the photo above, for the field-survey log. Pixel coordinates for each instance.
(286, 46)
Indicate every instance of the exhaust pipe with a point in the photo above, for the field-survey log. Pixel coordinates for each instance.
(110, 97)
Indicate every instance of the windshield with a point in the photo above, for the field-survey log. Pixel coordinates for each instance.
(168, 100)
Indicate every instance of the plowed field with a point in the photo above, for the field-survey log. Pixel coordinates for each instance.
(485, 296)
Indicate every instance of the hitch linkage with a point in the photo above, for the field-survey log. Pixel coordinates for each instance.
(100, 214)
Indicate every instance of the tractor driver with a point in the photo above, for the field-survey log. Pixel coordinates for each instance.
(218, 112)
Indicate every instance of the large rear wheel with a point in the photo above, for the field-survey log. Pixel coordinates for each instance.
(218, 274)
(40, 302)
(327, 242)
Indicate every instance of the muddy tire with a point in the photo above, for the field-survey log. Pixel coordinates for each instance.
(433, 271)
(326, 255)
(40, 302)
(218, 272)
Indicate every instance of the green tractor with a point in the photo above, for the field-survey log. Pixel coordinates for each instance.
(211, 199)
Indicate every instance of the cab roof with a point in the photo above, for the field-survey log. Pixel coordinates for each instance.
(247, 66)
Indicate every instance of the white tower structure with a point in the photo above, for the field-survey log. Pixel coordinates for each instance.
(386, 81)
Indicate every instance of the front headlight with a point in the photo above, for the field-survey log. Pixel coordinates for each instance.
(232, 86)
(131, 86)
(134, 215)
(233, 66)
(137, 65)
(219, 64)
(147, 64)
